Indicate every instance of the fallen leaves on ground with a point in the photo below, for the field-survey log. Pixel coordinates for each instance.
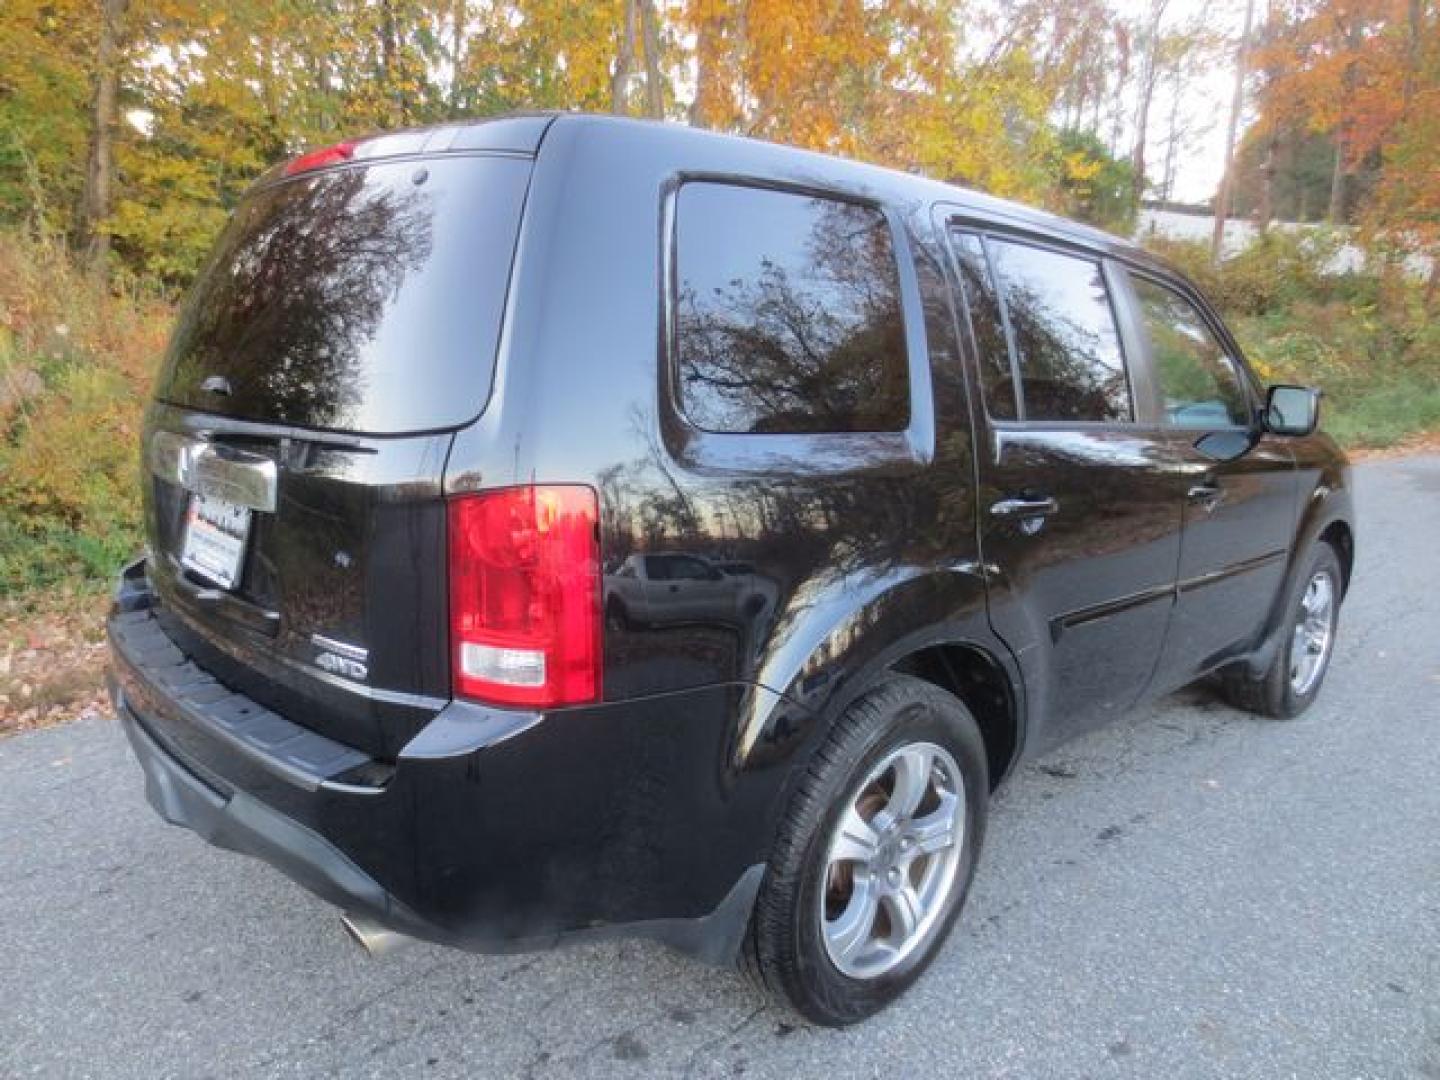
(52, 660)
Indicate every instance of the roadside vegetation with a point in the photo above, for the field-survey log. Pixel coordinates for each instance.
(1367, 338)
(75, 366)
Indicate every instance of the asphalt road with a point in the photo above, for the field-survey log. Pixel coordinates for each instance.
(1192, 892)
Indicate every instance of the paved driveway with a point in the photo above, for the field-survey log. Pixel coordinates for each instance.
(1192, 892)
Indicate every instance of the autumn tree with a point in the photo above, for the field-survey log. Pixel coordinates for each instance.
(1237, 101)
(1408, 192)
(1336, 67)
(47, 57)
(717, 28)
(137, 124)
(1152, 43)
(541, 54)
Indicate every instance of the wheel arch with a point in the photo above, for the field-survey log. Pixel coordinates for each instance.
(1341, 537)
(930, 624)
(978, 679)
(1326, 517)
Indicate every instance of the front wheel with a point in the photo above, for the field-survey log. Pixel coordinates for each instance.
(1292, 682)
(874, 856)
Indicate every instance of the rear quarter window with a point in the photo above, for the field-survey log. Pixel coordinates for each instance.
(364, 299)
(787, 313)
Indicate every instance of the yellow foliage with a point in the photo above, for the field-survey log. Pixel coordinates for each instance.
(75, 370)
(1080, 166)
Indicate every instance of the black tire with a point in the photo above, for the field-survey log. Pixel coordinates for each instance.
(1272, 693)
(784, 951)
(616, 617)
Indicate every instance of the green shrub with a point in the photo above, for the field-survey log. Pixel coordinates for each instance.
(1279, 269)
(75, 369)
(1385, 413)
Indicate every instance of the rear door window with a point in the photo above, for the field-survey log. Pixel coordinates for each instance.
(787, 313)
(364, 299)
(1067, 344)
(997, 377)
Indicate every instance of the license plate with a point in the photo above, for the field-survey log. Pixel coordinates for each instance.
(214, 545)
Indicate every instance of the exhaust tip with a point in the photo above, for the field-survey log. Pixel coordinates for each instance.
(375, 939)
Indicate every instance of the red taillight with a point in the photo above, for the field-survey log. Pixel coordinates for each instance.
(525, 596)
(318, 159)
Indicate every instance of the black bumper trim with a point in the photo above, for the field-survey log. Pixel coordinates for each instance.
(154, 665)
(240, 823)
(432, 851)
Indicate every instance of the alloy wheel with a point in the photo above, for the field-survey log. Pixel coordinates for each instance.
(1314, 633)
(891, 864)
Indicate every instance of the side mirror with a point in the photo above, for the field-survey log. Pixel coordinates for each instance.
(1227, 445)
(1292, 410)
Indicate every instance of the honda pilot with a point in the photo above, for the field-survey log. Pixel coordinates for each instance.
(563, 526)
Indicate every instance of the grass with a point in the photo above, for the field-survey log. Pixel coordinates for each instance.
(1385, 415)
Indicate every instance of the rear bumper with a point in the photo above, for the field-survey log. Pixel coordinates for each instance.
(239, 822)
(493, 830)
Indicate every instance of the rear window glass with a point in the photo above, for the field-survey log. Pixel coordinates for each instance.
(788, 314)
(1067, 346)
(355, 299)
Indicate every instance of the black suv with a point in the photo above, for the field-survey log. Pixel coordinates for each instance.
(885, 485)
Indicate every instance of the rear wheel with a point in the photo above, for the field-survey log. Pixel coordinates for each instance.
(874, 856)
(616, 617)
(1293, 680)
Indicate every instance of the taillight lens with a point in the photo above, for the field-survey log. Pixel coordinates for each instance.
(318, 159)
(525, 595)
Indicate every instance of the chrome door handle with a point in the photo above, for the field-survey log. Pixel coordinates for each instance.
(1207, 495)
(1024, 508)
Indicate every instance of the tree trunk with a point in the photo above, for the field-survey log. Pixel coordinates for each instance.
(1416, 28)
(1117, 115)
(624, 60)
(391, 102)
(387, 44)
(703, 73)
(654, 89)
(1122, 79)
(457, 54)
(1354, 39)
(1269, 168)
(1172, 142)
(1148, 72)
(1237, 101)
(92, 232)
(1335, 212)
(1097, 103)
